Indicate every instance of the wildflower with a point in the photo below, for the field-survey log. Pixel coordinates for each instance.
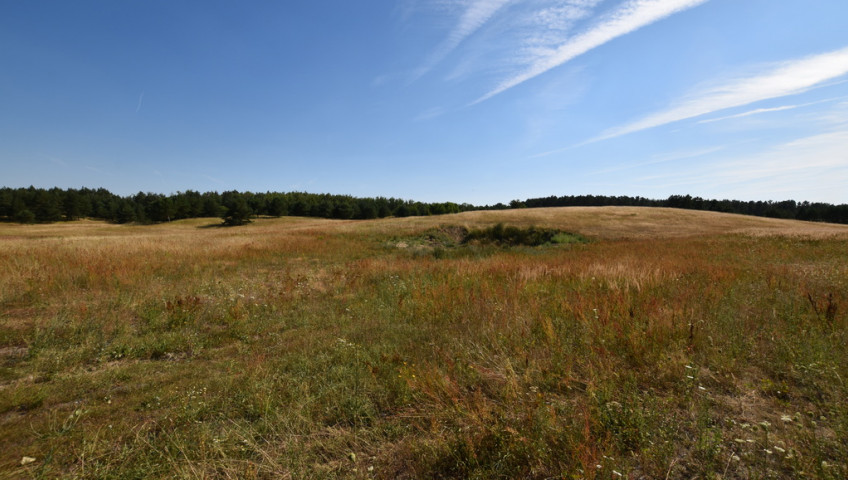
(27, 460)
(786, 418)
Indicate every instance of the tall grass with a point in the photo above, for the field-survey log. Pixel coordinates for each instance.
(298, 348)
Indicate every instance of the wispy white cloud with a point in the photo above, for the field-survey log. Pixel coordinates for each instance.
(664, 158)
(634, 15)
(751, 112)
(546, 26)
(807, 154)
(140, 99)
(430, 114)
(818, 163)
(520, 34)
(786, 78)
(56, 160)
(477, 13)
(815, 164)
(758, 111)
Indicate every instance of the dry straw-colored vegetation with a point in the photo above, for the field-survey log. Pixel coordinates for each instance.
(674, 344)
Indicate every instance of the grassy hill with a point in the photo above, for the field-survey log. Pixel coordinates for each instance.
(669, 344)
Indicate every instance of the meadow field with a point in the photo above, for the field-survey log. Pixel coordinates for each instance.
(652, 343)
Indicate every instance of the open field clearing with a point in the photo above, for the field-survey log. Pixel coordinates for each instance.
(670, 344)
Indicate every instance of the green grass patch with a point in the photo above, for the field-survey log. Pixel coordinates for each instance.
(510, 236)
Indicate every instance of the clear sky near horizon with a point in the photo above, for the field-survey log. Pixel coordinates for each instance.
(478, 101)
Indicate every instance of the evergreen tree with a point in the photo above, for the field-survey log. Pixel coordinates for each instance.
(24, 216)
(46, 206)
(237, 210)
(6, 198)
(367, 209)
(126, 212)
(344, 210)
(277, 206)
(212, 206)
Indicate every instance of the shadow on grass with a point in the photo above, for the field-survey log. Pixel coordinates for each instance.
(216, 225)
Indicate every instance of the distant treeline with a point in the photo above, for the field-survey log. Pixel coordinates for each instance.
(790, 209)
(30, 205)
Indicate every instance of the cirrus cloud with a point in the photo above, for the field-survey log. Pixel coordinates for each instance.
(774, 81)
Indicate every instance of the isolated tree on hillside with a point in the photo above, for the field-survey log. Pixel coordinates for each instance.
(238, 212)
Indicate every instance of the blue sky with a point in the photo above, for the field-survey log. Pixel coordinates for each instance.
(478, 101)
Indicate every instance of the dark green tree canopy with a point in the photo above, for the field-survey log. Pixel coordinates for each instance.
(237, 212)
(30, 205)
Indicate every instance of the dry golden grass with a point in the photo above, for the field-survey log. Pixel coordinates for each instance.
(638, 222)
(675, 344)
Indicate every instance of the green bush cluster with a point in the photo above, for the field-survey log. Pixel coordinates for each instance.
(515, 236)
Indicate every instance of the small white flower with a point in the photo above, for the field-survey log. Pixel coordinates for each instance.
(27, 460)
(786, 418)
